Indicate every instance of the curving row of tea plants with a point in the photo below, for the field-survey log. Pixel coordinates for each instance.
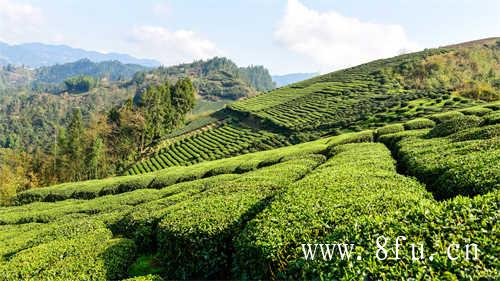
(221, 142)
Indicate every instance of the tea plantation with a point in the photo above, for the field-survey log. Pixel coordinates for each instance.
(346, 157)
(434, 180)
(364, 97)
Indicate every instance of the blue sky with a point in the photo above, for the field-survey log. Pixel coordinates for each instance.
(283, 35)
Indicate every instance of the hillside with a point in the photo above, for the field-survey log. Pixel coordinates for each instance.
(215, 79)
(110, 70)
(240, 221)
(37, 106)
(37, 55)
(362, 97)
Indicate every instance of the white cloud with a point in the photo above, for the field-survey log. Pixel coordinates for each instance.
(171, 47)
(18, 22)
(334, 41)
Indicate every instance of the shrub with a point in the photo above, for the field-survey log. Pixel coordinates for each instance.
(365, 136)
(389, 129)
(140, 224)
(442, 117)
(419, 123)
(89, 255)
(452, 168)
(195, 235)
(149, 277)
(360, 180)
(478, 111)
(486, 132)
(435, 225)
(390, 140)
(454, 125)
(491, 119)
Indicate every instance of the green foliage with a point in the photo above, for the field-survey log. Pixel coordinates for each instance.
(216, 78)
(446, 116)
(145, 267)
(365, 136)
(319, 203)
(389, 129)
(486, 132)
(160, 179)
(465, 163)
(236, 219)
(419, 123)
(223, 141)
(435, 225)
(149, 277)
(454, 125)
(258, 77)
(111, 70)
(477, 111)
(469, 70)
(492, 118)
(67, 251)
(205, 225)
(79, 84)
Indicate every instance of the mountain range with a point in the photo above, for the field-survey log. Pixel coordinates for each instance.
(38, 54)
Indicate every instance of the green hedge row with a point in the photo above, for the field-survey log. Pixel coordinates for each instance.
(149, 277)
(389, 129)
(454, 125)
(463, 163)
(486, 132)
(359, 180)
(195, 235)
(59, 252)
(445, 116)
(96, 188)
(419, 123)
(435, 225)
(492, 118)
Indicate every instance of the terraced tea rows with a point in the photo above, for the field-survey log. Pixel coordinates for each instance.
(222, 142)
(363, 97)
(348, 97)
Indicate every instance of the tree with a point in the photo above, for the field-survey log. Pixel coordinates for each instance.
(183, 98)
(75, 144)
(95, 158)
(80, 84)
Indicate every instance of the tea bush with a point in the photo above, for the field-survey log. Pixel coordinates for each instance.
(419, 123)
(435, 225)
(454, 125)
(389, 129)
(195, 234)
(359, 180)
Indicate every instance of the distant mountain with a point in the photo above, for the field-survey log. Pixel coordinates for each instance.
(111, 70)
(215, 79)
(283, 80)
(38, 54)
